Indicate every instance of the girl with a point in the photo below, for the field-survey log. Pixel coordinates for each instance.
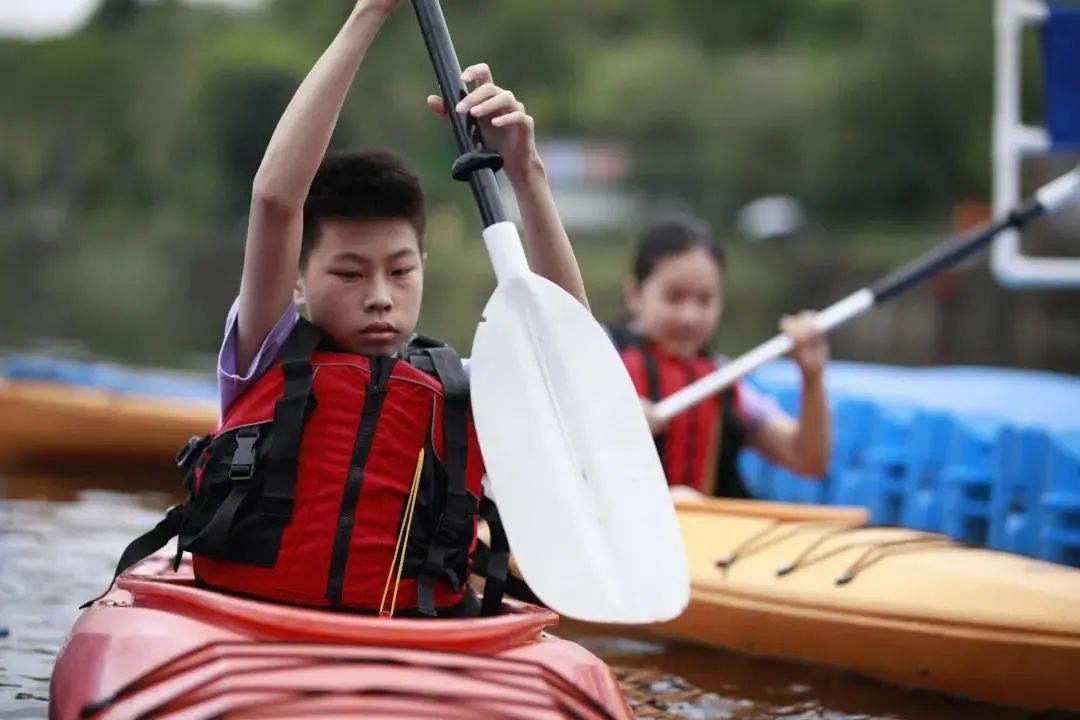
(675, 298)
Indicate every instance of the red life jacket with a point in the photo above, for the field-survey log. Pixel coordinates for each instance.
(302, 493)
(699, 447)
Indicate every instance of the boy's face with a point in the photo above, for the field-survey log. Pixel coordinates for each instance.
(679, 304)
(363, 283)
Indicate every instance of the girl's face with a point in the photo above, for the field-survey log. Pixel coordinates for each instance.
(679, 304)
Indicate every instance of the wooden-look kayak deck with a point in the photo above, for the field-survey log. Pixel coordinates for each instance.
(814, 584)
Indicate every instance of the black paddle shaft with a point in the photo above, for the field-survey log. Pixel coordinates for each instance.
(476, 165)
(950, 252)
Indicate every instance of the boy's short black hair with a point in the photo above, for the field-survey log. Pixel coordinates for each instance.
(359, 185)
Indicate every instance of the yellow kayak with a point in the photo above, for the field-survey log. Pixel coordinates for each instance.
(814, 584)
(57, 422)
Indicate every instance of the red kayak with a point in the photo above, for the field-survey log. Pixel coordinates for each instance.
(158, 646)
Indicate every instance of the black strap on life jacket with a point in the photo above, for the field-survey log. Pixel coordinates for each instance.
(729, 480)
(168, 527)
(498, 564)
(291, 412)
(145, 545)
(624, 336)
(454, 525)
(241, 471)
(493, 563)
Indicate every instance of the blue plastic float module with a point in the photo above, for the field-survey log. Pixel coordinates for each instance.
(107, 376)
(1058, 531)
(875, 477)
(1023, 397)
(1061, 65)
(988, 456)
(966, 481)
(927, 453)
(1020, 468)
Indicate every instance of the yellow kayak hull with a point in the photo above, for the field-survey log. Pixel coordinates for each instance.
(56, 423)
(814, 584)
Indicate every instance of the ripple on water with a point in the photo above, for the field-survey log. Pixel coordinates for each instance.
(54, 554)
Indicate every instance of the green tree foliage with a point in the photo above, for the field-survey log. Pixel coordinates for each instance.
(115, 14)
(128, 148)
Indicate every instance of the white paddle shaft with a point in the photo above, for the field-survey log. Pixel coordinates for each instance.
(505, 250)
(1060, 192)
(836, 314)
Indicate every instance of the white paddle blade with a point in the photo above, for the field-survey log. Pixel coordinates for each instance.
(570, 458)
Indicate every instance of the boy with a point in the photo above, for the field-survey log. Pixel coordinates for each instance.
(346, 472)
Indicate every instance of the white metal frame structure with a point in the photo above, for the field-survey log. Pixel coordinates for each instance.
(1012, 141)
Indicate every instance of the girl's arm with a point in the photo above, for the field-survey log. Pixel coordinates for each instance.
(804, 445)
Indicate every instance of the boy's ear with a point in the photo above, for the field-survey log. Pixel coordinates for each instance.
(298, 293)
(632, 296)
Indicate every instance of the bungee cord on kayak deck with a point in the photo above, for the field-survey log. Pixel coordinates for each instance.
(876, 549)
(757, 542)
(877, 552)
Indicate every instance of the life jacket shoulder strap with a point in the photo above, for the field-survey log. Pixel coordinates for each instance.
(421, 342)
(496, 572)
(291, 413)
(729, 481)
(455, 521)
(622, 335)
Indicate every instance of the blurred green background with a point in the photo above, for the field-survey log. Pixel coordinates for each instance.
(127, 150)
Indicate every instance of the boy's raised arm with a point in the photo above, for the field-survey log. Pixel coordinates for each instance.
(281, 185)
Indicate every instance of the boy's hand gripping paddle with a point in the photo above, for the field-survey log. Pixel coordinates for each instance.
(569, 456)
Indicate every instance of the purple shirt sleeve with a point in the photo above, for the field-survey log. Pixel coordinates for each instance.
(754, 408)
(231, 382)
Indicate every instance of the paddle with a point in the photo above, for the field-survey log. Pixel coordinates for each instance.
(570, 459)
(1048, 199)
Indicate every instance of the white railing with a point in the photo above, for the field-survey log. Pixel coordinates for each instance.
(1012, 142)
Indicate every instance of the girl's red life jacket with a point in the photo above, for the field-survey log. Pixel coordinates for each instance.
(700, 447)
(301, 494)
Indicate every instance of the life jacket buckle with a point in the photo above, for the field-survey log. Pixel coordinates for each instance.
(448, 530)
(191, 452)
(242, 467)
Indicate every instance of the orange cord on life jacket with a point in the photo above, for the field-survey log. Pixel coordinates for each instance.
(398, 562)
